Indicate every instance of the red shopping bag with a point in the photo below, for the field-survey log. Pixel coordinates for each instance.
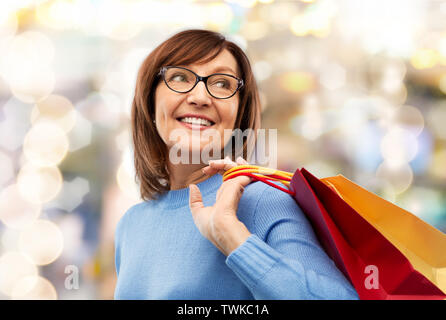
(357, 247)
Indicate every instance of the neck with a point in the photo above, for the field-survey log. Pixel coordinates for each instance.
(181, 175)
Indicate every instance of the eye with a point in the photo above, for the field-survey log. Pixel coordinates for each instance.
(221, 83)
(180, 77)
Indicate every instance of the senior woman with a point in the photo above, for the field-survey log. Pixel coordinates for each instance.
(195, 236)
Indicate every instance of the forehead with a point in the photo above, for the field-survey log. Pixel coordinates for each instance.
(224, 62)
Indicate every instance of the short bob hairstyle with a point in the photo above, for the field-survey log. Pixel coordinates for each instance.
(183, 48)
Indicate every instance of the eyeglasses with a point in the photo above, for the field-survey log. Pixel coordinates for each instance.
(182, 80)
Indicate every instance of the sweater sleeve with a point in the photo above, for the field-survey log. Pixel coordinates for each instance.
(283, 259)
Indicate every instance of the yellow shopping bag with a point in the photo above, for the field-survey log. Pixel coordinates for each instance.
(423, 245)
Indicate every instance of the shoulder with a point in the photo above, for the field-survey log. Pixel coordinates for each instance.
(262, 204)
(259, 194)
(274, 207)
(127, 216)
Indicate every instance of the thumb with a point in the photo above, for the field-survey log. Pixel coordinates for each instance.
(195, 199)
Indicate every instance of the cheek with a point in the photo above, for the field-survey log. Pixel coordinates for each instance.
(164, 110)
(165, 107)
(229, 113)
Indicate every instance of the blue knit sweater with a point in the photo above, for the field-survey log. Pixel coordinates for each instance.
(160, 254)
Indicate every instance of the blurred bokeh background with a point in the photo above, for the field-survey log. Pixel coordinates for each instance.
(353, 87)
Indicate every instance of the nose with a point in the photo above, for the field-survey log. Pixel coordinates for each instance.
(199, 96)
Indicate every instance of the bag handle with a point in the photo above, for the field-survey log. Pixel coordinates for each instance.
(263, 174)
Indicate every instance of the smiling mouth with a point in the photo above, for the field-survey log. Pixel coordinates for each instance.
(193, 121)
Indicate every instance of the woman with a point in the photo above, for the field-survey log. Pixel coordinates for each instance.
(195, 237)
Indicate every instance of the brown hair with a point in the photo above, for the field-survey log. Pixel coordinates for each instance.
(185, 47)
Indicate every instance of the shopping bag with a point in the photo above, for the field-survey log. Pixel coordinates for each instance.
(397, 279)
(423, 245)
(355, 246)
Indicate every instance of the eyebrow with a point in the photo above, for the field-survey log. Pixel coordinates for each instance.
(222, 68)
(216, 70)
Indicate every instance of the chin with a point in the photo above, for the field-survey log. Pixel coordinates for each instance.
(200, 152)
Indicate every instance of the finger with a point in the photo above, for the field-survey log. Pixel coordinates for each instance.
(237, 183)
(229, 195)
(195, 199)
(207, 170)
(210, 170)
(220, 166)
(243, 180)
(241, 161)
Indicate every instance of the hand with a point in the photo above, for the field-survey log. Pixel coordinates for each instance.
(219, 223)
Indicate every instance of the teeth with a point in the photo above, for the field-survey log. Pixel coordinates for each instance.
(199, 121)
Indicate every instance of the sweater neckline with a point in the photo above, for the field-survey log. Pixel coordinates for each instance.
(178, 198)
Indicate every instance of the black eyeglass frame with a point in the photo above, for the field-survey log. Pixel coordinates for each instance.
(198, 78)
